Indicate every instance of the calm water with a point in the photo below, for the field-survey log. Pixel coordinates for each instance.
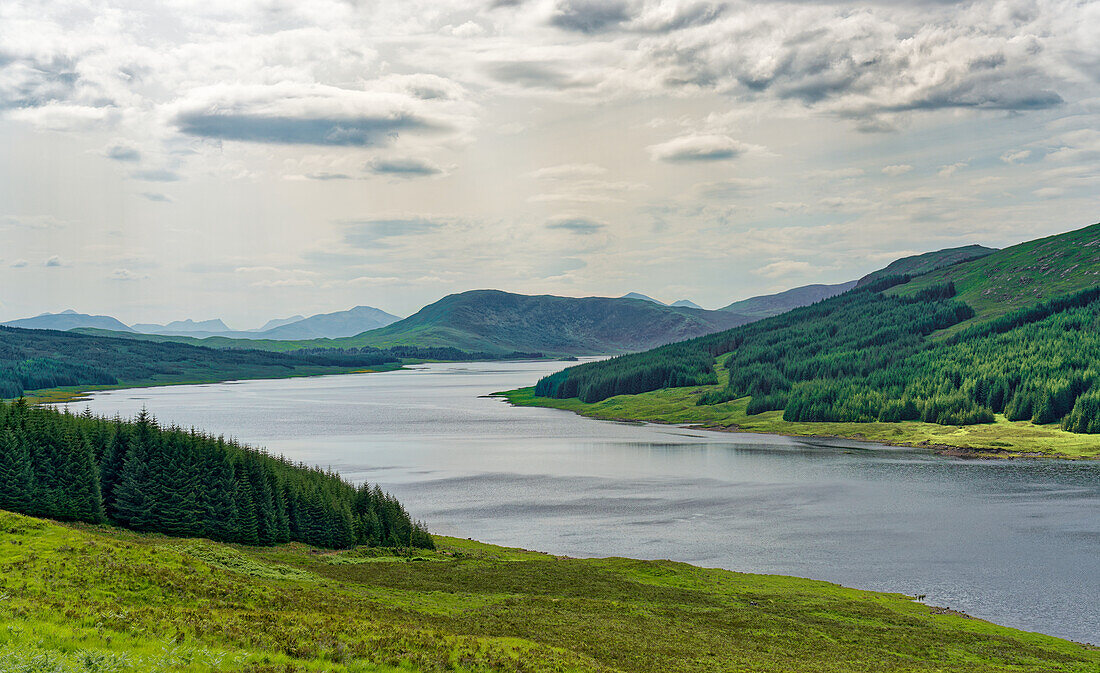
(1014, 542)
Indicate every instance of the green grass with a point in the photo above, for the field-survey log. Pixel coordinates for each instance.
(1020, 276)
(78, 598)
(677, 406)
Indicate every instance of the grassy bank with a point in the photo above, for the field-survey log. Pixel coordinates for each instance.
(1001, 438)
(98, 599)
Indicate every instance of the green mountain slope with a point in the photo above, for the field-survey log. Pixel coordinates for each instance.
(1023, 274)
(491, 320)
(81, 599)
(899, 352)
(917, 265)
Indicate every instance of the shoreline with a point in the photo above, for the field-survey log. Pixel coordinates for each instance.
(524, 397)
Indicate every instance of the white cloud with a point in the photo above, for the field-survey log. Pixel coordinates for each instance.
(895, 170)
(1015, 156)
(784, 268)
(697, 148)
(951, 169)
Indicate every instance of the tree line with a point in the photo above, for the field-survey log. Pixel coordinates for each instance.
(867, 356)
(139, 475)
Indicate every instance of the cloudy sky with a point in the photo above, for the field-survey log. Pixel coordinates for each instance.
(261, 158)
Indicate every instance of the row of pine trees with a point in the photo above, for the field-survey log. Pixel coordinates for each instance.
(141, 476)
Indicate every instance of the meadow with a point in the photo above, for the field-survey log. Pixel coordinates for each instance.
(77, 597)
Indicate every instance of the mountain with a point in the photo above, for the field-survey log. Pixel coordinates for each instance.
(917, 265)
(767, 305)
(67, 320)
(277, 322)
(332, 325)
(639, 295)
(1005, 337)
(495, 321)
(189, 326)
(686, 303)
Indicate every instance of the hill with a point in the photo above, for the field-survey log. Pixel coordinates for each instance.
(495, 321)
(67, 320)
(331, 325)
(917, 265)
(643, 297)
(907, 355)
(1024, 274)
(773, 304)
(45, 359)
(81, 598)
(686, 303)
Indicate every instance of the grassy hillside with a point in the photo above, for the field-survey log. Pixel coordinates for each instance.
(917, 265)
(1024, 274)
(897, 355)
(79, 598)
(490, 320)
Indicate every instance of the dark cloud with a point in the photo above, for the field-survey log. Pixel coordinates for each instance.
(589, 16)
(369, 233)
(577, 225)
(34, 82)
(405, 168)
(533, 74)
(329, 176)
(687, 17)
(156, 197)
(123, 153)
(53, 262)
(365, 131)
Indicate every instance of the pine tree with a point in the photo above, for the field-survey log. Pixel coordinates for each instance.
(134, 505)
(16, 475)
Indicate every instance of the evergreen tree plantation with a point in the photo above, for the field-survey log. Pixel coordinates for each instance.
(140, 476)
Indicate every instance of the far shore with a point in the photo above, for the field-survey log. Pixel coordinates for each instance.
(1002, 439)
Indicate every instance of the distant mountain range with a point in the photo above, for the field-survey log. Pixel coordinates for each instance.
(495, 321)
(500, 322)
(215, 326)
(325, 325)
(67, 320)
(331, 325)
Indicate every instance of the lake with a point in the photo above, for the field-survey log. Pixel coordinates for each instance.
(1015, 542)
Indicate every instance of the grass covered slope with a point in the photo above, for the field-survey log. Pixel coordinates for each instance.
(93, 599)
(1023, 274)
(495, 321)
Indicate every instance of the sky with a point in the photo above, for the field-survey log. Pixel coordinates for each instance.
(260, 158)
